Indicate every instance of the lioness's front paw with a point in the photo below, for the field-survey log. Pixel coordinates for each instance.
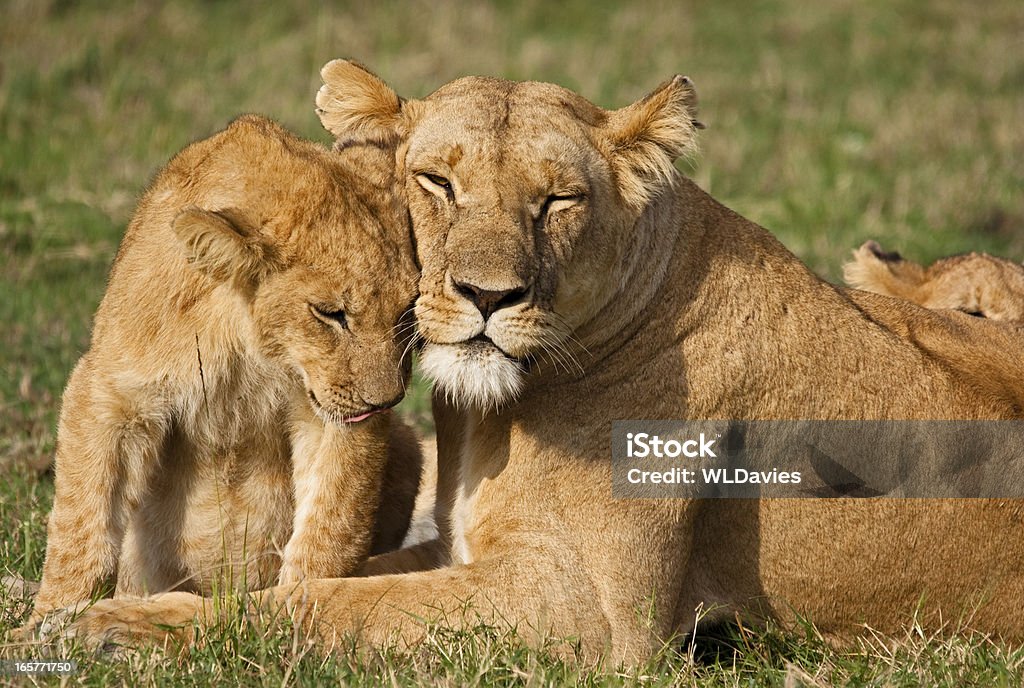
(124, 621)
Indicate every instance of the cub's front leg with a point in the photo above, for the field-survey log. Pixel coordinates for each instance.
(337, 473)
(107, 447)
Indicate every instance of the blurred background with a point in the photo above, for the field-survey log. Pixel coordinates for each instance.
(829, 123)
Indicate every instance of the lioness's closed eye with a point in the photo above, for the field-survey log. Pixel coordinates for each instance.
(976, 283)
(233, 399)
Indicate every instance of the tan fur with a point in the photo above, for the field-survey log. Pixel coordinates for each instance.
(422, 527)
(679, 309)
(203, 439)
(975, 283)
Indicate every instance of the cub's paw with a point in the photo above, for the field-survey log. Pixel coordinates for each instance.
(109, 623)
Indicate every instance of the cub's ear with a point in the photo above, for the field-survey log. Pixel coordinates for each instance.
(648, 136)
(882, 272)
(221, 245)
(354, 102)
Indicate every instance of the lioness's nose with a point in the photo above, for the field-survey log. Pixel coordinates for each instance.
(490, 300)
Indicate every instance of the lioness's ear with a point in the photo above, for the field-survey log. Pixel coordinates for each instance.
(221, 245)
(650, 135)
(355, 102)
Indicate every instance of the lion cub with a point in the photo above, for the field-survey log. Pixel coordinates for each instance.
(975, 283)
(233, 400)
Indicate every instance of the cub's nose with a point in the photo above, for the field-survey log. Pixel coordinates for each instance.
(488, 301)
(384, 405)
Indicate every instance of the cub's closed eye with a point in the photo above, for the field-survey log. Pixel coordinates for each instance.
(329, 315)
(437, 180)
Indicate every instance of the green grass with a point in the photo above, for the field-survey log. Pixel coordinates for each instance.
(829, 123)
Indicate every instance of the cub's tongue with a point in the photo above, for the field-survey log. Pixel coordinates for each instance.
(363, 416)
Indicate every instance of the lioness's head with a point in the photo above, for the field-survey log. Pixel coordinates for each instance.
(976, 283)
(522, 196)
(319, 257)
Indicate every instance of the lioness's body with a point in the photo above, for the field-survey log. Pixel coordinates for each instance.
(189, 453)
(553, 232)
(839, 562)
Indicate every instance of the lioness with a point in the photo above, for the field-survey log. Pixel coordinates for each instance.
(976, 283)
(571, 277)
(232, 400)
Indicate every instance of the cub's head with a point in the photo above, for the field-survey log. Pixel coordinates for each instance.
(313, 249)
(523, 198)
(975, 283)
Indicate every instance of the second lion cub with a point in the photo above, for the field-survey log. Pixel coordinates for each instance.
(233, 401)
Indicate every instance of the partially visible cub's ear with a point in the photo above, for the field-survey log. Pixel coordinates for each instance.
(648, 136)
(221, 245)
(882, 272)
(353, 102)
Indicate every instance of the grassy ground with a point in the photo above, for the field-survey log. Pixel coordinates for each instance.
(829, 123)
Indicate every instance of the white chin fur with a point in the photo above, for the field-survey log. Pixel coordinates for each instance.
(473, 374)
